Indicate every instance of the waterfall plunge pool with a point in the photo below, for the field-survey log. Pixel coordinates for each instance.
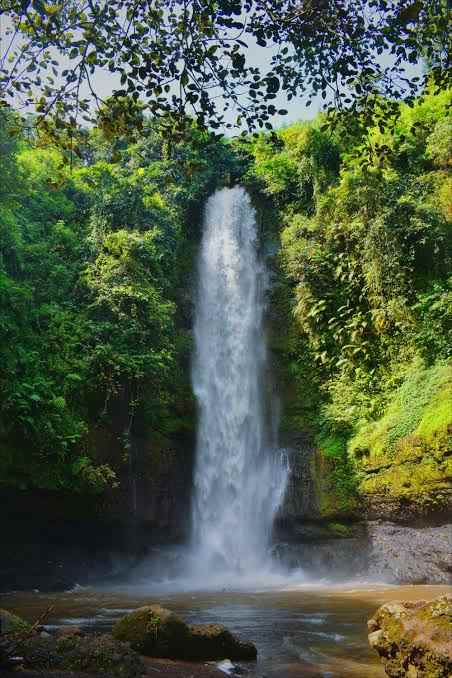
(300, 633)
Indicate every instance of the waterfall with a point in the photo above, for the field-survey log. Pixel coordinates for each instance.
(240, 475)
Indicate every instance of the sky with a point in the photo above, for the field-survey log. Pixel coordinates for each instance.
(104, 82)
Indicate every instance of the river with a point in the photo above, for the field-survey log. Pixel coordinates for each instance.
(302, 632)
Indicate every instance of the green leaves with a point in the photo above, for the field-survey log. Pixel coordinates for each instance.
(92, 263)
(323, 49)
(363, 267)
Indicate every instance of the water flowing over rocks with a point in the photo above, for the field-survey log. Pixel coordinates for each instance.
(414, 639)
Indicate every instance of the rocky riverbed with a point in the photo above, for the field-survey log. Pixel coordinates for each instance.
(145, 641)
(301, 632)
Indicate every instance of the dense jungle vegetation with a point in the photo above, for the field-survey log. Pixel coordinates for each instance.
(366, 301)
(94, 262)
(96, 276)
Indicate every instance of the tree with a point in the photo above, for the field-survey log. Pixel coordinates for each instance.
(190, 57)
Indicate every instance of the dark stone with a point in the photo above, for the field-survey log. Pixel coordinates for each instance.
(214, 641)
(100, 654)
(156, 632)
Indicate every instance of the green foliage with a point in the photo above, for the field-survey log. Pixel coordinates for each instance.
(336, 476)
(93, 265)
(296, 166)
(96, 267)
(418, 407)
(365, 251)
(434, 313)
(176, 59)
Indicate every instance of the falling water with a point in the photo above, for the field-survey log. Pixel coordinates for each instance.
(240, 475)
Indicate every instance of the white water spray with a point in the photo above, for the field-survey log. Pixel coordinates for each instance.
(240, 475)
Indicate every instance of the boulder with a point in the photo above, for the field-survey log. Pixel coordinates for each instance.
(414, 639)
(11, 623)
(156, 632)
(153, 631)
(100, 654)
(214, 641)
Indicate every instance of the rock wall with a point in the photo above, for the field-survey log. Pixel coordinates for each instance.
(384, 542)
(53, 540)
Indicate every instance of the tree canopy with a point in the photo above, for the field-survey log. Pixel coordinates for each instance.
(185, 57)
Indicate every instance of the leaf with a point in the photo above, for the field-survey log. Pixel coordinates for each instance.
(184, 78)
(273, 85)
(238, 61)
(50, 10)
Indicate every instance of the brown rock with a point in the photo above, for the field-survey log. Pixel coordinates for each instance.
(153, 631)
(214, 641)
(414, 639)
(69, 632)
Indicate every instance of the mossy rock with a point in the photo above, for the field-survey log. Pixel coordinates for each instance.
(153, 631)
(90, 654)
(414, 639)
(214, 641)
(339, 530)
(424, 483)
(157, 632)
(405, 455)
(11, 623)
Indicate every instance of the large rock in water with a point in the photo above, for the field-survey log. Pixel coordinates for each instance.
(153, 631)
(414, 639)
(214, 641)
(156, 632)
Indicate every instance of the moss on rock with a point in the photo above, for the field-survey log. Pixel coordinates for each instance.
(405, 455)
(153, 631)
(156, 632)
(414, 639)
(335, 480)
(91, 654)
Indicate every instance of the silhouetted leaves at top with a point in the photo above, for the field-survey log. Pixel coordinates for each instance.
(180, 59)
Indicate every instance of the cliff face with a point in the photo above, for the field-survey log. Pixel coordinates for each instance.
(404, 458)
(384, 539)
(394, 526)
(53, 540)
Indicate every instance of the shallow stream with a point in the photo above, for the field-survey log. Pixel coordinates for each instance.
(302, 632)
